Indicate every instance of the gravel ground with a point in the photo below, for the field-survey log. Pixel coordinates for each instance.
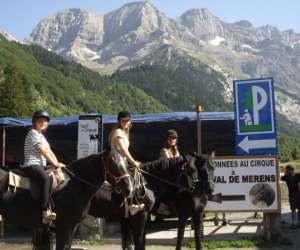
(293, 235)
(26, 246)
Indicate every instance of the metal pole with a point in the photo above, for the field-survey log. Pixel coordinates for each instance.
(199, 134)
(199, 150)
(3, 146)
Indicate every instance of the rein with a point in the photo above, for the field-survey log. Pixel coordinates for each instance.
(161, 179)
(106, 171)
(69, 172)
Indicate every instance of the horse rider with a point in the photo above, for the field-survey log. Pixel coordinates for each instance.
(119, 148)
(169, 150)
(37, 153)
(292, 180)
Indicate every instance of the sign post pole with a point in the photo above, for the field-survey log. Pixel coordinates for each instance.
(3, 146)
(199, 134)
(199, 151)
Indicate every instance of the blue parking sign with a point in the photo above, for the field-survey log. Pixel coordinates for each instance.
(255, 117)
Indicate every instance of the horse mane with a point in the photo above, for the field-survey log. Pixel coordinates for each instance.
(77, 164)
(85, 167)
(163, 164)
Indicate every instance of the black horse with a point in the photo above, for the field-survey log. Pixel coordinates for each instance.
(180, 176)
(186, 201)
(71, 202)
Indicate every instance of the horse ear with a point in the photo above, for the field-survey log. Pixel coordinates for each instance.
(212, 158)
(213, 154)
(184, 157)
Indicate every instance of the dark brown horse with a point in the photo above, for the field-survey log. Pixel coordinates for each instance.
(71, 202)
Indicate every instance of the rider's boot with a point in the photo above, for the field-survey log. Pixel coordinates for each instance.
(48, 216)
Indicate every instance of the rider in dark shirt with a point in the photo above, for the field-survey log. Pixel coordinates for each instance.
(292, 180)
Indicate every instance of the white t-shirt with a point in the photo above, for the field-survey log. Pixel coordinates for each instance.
(115, 149)
(31, 154)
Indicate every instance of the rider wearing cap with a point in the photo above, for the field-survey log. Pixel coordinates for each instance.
(119, 149)
(168, 151)
(170, 148)
(119, 140)
(37, 153)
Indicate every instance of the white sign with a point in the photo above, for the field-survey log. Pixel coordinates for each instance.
(245, 184)
(89, 135)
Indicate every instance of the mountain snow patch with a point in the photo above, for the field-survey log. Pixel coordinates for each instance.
(60, 50)
(89, 51)
(217, 41)
(295, 43)
(247, 46)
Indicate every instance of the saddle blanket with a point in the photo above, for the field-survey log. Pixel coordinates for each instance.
(19, 181)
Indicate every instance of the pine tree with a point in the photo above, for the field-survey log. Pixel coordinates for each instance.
(15, 94)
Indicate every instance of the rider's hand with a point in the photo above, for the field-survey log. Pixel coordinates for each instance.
(137, 164)
(60, 165)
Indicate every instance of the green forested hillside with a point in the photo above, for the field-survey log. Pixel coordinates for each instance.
(64, 87)
(179, 87)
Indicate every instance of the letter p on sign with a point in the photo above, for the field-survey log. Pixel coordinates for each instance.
(260, 100)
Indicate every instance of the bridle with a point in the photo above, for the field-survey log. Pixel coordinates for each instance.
(191, 183)
(191, 180)
(207, 167)
(107, 173)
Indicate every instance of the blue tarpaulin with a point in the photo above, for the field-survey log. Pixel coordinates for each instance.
(163, 117)
(147, 134)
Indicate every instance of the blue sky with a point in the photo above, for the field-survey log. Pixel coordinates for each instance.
(19, 17)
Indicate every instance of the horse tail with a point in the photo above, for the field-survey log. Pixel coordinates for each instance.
(126, 232)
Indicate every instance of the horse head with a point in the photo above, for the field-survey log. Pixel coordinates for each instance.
(190, 173)
(205, 166)
(117, 174)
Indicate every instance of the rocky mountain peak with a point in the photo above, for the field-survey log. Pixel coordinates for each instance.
(202, 23)
(200, 16)
(131, 17)
(269, 31)
(244, 24)
(61, 31)
(8, 36)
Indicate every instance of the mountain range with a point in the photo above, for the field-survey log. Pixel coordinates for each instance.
(140, 34)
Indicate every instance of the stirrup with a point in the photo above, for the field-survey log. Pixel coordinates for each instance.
(133, 209)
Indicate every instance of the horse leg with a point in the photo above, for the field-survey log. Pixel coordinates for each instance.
(64, 237)
(126, 234)
(42, 239)
(196, 220)
(138, 224)
(180, 234)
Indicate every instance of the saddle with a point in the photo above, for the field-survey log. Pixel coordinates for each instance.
(17, 179)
